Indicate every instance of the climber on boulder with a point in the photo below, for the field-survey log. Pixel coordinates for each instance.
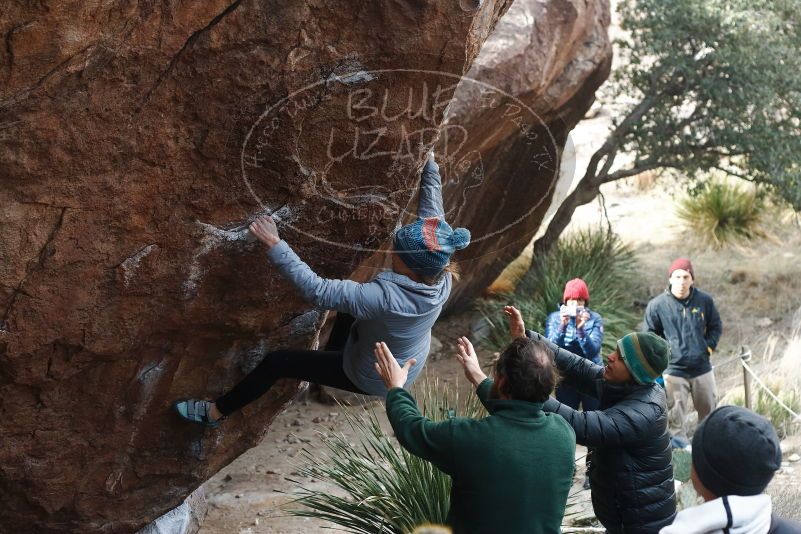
(398, 307)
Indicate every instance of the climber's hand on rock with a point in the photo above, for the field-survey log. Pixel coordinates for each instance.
(265, 230)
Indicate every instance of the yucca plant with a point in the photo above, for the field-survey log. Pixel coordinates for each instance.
(721, 213)
(686, 495)
(382, 488)
(600, 258)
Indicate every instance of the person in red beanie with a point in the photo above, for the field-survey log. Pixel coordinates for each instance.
(688, 319)
(578, 329)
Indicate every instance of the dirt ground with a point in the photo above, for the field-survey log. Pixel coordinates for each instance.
(756, 288)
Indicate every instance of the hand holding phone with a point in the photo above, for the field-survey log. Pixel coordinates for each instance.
(569, 311)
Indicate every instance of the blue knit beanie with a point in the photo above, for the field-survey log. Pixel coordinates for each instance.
(425, 246)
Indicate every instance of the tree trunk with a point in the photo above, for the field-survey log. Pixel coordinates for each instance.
(590, 184)
(586, 190)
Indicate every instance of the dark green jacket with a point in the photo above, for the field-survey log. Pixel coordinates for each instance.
(511, 470)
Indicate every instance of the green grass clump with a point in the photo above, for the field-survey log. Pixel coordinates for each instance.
(601, 259)
(721, 213)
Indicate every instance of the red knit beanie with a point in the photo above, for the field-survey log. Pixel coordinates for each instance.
(576, 289)
(681, 263)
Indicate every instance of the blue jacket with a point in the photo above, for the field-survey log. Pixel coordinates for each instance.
(692, 327)
(392, 308)
(585, 342)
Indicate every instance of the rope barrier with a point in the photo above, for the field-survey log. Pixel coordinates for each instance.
(743, 358)
(769, 392)
(727, 362)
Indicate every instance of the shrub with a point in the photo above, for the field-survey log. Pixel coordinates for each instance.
(600, 258)
(721, 213)
(763, 404)
(686, 497)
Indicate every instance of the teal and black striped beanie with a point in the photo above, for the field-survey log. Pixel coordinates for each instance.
(426, 245)
(645, 354)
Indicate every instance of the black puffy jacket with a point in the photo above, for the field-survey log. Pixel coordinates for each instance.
(630, 467)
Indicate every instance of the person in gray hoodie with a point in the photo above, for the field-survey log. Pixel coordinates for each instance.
(398, 307)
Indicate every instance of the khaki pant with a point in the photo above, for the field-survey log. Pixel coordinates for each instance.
(704, 394)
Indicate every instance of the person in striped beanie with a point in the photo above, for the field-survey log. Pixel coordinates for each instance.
(631, 475)
(645, 356)
(426, 245)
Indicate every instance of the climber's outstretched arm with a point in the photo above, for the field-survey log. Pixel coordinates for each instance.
(430, 204)
(362, 301)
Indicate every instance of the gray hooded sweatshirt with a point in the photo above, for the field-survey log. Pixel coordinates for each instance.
(391, 308)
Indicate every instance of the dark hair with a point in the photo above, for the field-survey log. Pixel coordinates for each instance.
(529, 370)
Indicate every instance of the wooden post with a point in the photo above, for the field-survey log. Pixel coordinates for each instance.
(745, 355)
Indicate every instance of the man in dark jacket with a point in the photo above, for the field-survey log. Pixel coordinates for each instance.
(687, 318)
(511, 470)
(631, 473)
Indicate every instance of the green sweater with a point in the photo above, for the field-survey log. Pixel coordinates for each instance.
(511, 470)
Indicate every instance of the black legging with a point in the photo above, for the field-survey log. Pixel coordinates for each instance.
(322, 367)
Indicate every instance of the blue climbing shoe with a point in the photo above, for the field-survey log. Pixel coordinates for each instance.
(197, 411)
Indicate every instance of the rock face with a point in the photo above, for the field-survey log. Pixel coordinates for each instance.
(536, 77)
(185, 519)
(137, 140)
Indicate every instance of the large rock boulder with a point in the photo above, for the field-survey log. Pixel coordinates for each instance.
(535, 78)
(138, 140)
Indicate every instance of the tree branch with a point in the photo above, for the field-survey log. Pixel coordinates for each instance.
(732, 173)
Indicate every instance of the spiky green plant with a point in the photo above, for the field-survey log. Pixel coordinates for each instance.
(600, 258)
(379, 486)
(721, 213)
(382, 488)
